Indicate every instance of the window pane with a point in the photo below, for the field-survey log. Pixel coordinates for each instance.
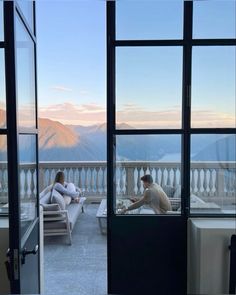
(157, 155)
(27, 10)
(2, 91)
(1, 21)
(138, 20)
(214, 19)
(213, 173)
(3, 175)
(148, 87)
(213, 86)
(25, 77)
(28, 184)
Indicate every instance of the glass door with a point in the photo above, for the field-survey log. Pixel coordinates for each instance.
(22, 139)
(148, 186)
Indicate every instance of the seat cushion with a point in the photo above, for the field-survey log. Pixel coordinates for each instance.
(57, 198)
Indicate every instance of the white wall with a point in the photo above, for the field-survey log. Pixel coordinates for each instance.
(208, 255)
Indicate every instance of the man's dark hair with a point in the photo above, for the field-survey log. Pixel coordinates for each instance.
(147, 178)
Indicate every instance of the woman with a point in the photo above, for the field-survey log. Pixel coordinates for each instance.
(67, 189)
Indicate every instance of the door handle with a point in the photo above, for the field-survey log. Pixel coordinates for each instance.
(26, 252)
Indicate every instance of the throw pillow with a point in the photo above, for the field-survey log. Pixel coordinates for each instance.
(169, 190)
(177, 193)
(67, 200)
(57, 198)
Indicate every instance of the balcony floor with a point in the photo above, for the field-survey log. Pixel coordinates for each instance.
(82, 267)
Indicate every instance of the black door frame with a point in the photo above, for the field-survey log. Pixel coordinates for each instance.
(11, 11)
(187, 43)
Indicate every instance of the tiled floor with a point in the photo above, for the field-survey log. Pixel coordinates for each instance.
(81, 268)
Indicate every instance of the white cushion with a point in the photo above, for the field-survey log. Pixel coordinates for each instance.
(67, 200)
(57, 198)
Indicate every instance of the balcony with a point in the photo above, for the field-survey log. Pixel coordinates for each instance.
(210, 181)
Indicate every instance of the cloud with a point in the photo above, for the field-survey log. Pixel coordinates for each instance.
(61, 88)
(133, 115)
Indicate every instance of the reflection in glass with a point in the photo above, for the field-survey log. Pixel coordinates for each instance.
(213, 86)
(3, 175)
(28, 184)
(213, 173)
(27, 9)
(148, 87)
(214, 19)
(1, 22)
(2, 91)
(157, 155)
(138, 20)
(25, 77)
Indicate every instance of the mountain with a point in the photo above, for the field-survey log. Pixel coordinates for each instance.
(223, 149)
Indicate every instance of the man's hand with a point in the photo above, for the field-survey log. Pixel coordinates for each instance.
(123, 211)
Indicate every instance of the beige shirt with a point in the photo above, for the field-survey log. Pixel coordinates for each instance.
(155, 198)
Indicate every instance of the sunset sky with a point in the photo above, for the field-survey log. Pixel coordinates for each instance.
(72, 64)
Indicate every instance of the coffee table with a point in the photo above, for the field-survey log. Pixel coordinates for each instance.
(102, 212)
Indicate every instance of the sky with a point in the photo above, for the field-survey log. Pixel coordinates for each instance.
(71, 54)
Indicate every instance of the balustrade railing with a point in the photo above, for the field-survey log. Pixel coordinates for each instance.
(208, 179)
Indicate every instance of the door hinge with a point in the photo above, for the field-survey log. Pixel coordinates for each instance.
(16, 264)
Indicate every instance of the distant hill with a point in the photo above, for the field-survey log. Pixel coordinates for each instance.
(223, 149)
(58, 142)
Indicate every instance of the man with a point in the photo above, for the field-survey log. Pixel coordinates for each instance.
(154, 197)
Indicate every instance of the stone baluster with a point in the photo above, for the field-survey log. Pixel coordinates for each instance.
(74, 175)
(86, 179)
(32, 184)
(79, 178)
(220, 183)
(103, 180)
(168, 177)
(130, 181)
(122, 183)
(162, 177)
(175, 178)
(192, 183)
(41, 179)
(199, 183)
(97, 189)
(26, 186)
(205, 182)
(211, 186)
(92, 179)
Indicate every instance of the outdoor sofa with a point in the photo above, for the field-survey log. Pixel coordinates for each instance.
(58, 218)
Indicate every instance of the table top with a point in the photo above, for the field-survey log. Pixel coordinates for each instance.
(120, 203)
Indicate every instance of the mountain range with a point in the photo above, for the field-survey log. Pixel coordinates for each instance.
(59, 142)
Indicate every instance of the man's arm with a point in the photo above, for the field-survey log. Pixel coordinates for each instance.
(141, 202)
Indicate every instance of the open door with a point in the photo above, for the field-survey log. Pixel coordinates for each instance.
(148, 73)
(22, 139)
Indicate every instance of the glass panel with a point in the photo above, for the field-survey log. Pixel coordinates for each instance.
(214, 19)
(148, 87)
(1, 21)
(2, 91)
(155, 155)
(3, 175)
(213, 174)
(27, 9)
(138, 20)
(25, 77)
(213, 86)
(27, 176)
